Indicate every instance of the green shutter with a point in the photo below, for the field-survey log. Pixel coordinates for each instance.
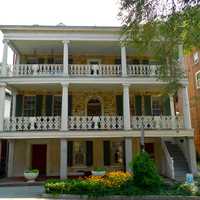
(39, 99)
(138, 105)
(70, 105)
(166, 106)
(119, 105)
(89, 153)
(70, 153)
(19, 105)
(118, 61)
(106, 153)
(147, 105)
(48, 105)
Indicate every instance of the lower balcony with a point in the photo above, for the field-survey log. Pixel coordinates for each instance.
(43, 123)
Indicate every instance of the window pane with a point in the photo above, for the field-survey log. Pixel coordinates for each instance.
(117, 153)
(57, 105)
(29, 105)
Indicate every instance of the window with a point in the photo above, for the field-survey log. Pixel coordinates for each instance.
(117, 153)
(156, 106)
(94, 61)
(29, 105)
(198, 79)
(196, 57)
(57, 105)
(79, 153)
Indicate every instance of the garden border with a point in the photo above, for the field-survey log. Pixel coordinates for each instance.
(119, 197)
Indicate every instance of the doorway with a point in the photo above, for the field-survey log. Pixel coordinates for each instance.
(94, 107)
(39, 158)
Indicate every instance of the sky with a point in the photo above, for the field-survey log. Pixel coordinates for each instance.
(53, 12)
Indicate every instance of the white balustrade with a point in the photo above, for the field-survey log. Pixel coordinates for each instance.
(169, 161)
(143, 70)
(95, 122)
(32, 123)
(37, 69)
(94, 70)
(157, 122)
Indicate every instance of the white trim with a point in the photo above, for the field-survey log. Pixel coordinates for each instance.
(95, 134)
(197, 84)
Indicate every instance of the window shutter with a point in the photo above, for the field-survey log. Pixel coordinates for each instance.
(70, 105)
(119, 105)
(48, 105)
(118, 61)
(147, 105)
(19, 105)
(70, 153)
(70, 61)
(138, 105)
(106, 153)
(166, 106)
(39, 99)
(89, 153)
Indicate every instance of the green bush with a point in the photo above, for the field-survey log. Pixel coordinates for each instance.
(187, 189)
(145, 173)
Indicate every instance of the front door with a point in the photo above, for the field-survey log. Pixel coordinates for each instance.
(39, 157)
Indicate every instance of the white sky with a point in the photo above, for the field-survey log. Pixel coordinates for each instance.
(52, 12)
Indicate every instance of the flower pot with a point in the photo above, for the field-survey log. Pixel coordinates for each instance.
(98, 173)
(31, 176)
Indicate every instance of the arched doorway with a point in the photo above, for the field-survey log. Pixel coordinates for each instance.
(94, 107)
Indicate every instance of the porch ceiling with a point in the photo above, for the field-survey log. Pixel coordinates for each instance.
(56, 87)
(75, 47)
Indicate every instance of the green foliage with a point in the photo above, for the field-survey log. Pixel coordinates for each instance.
(100, 169)
(188, 189)
(157, 30)
(32, 171)
(145, 173)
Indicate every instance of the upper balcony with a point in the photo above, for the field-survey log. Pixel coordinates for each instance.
(76, 59)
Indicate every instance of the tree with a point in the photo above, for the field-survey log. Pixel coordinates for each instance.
(158, 27)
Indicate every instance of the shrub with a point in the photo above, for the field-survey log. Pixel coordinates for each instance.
(145, 173)
(187, 189)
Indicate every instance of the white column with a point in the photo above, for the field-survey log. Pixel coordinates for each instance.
(13, 104)
(186, 108)
(123, 61)
(17, 61)
(63, 158)
(11, 144)
(172, 111)
(128, 153)
(64, 114)
(5, 56)
(126, 107)
(2, 105)
(192, 155)
(65, 57)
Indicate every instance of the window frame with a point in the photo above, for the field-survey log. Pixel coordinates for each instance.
(196, 80)
(53, 105)
(30, 104)
(152, 110)
(196, 60)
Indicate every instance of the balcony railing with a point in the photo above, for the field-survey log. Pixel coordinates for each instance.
(95, 70)
(32, 123)
(92, 123)
(80, 70)
(95, 122)
(157, 122)
(37, 69)
(143, 70)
